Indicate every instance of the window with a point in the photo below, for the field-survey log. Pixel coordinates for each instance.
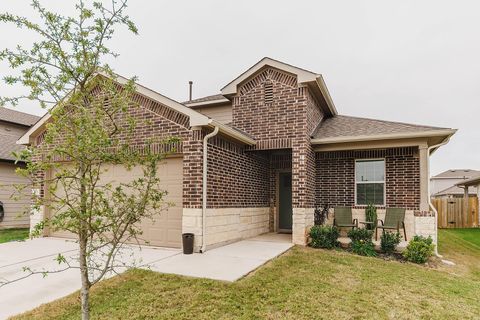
(370, 182)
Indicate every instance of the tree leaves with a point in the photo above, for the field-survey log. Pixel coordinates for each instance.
(71, 50)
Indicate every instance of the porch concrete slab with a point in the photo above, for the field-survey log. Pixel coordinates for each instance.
(228, 263)
(274, 237)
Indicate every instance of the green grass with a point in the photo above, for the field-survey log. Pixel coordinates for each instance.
(463, 247)
(304, 283)
(7, 235)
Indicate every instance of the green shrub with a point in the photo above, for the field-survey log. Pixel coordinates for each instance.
(364, 248)
(389, 242)
(360, 234)
(362, 243)
(371, 216)
(324, 237)
(419, 249)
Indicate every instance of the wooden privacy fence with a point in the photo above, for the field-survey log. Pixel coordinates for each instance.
(452, 213)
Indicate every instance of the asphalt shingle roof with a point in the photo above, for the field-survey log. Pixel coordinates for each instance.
(8, 145)
(346, 126)
(14, 116)
(205, 99)
(454, 190)
(458, 173)
(9, 134)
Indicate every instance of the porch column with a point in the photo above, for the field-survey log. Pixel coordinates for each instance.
(424, 177)
(303, 189)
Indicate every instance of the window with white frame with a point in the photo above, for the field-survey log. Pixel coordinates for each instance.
(370, 182)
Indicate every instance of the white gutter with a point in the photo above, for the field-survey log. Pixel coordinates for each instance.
(231, 132)
(206, 103)
(387, 136)
(444, 142)
(204, 187)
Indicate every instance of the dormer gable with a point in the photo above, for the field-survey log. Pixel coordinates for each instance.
(303, 78)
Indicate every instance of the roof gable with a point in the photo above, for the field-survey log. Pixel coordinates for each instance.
(302, 74)
(195, 118)
(304, 77)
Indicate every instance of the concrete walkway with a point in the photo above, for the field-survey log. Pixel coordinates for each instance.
(227, 263)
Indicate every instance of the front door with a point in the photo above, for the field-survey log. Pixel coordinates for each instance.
(285, 202)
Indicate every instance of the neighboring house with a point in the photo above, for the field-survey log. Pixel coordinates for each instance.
(444, 184)
(277, 148)
(467, 186)
(13, 124)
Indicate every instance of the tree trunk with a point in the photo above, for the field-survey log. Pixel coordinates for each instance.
(83, 239)
(85, 290)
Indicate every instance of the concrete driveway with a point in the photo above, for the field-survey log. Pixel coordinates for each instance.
(227, 263)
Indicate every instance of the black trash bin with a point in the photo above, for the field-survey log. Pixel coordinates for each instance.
(187, 240)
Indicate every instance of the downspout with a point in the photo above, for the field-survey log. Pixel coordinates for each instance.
(204, 187)
(432, 207)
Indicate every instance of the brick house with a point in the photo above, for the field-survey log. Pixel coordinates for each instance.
(275, 149)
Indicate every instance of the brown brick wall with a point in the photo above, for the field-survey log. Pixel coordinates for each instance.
(284, 122)
(279, 119)
(157, 121)
(335, 179)
(192, 169)
(236, 178)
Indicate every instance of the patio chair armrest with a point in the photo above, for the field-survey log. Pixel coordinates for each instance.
(380, 221)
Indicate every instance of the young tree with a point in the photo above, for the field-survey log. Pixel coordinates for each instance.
(90, 129)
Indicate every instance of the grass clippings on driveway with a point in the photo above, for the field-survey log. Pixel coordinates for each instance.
(304, 283)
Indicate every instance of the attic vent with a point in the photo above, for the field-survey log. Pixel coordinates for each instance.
(268, 92)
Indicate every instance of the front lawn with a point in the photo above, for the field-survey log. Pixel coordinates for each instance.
(7, 235)
(304, 283)
(463, 247)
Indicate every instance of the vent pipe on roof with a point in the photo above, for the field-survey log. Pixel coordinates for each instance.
(190, 84)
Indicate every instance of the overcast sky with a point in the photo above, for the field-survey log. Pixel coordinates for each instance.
(409, 61)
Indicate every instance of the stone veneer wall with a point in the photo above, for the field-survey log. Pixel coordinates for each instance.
(425, 224)
(416, 222)
(225, 225)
